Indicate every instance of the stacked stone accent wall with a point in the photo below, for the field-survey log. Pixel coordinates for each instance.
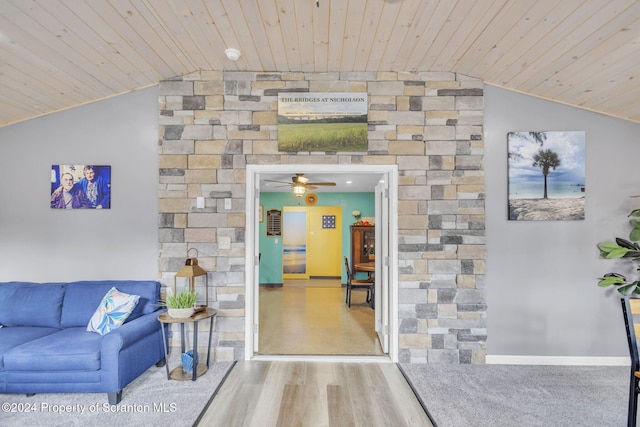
(212, 124)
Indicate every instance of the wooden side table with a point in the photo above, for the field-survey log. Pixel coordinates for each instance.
(198, 368)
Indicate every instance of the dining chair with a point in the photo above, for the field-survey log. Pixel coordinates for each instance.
(357, 284)
(631, 307)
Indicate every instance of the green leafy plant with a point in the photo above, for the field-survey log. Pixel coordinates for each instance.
(623, 248)
(184, 299)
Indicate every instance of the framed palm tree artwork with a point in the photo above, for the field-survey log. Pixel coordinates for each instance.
(546, 176)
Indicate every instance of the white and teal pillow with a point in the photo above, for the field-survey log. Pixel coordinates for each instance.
(113, 310)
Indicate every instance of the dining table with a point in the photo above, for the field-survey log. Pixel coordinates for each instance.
(368, 267)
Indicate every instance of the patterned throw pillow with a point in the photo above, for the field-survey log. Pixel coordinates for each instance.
(113, 310)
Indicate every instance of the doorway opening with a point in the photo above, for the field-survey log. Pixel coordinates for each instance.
(385, 319)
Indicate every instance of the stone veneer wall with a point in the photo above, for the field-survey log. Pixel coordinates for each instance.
(212, 124)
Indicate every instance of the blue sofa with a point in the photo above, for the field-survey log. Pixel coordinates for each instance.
(45, 346)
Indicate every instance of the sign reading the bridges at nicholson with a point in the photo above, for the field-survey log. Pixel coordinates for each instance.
(322, 121)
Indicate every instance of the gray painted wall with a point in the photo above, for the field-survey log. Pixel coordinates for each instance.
(541, 279)
(38, 243)
(541, 276)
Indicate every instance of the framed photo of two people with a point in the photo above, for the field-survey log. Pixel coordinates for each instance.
(80, 187)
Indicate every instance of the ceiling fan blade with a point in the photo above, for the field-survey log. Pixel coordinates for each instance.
(310, 187)
(279, 182)
(321, 183)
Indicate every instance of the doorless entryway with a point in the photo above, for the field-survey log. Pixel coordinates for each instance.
(385, 189)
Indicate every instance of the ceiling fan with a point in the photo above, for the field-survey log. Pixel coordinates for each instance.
(300, 184)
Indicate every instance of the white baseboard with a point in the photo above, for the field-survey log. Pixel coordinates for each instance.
(557, 360)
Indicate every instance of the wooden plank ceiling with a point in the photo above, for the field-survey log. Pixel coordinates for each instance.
(57, 54)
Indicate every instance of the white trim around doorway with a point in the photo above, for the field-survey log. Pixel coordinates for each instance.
(253, 176)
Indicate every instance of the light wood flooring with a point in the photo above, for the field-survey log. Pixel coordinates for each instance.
(310, 394)
(310, 317)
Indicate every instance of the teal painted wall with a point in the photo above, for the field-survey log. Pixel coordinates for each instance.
(271, 252)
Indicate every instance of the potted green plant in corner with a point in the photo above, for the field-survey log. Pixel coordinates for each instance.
(623, 248)
(181, 305)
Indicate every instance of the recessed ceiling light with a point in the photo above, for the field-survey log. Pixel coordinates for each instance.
(349, 182)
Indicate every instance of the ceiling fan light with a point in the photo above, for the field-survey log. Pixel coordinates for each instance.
(298, 190)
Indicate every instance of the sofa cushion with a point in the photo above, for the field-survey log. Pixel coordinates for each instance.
(31, 304)
(112, 311)
(16, 335)
(82, 298)
(72, 349)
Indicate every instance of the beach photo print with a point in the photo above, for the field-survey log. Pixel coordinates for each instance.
(546, 176)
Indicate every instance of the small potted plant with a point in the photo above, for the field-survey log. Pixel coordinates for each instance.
(623, 248)
(181, 305)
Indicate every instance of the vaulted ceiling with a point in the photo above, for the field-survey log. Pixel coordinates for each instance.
(57, 54)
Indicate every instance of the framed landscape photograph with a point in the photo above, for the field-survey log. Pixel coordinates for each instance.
(546, 176)
(80, 187)
(322, 121)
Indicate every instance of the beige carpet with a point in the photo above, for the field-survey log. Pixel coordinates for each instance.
(522, 395)
(150, 400)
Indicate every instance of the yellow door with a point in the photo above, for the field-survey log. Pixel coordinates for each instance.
(325, 241)
(316, 250)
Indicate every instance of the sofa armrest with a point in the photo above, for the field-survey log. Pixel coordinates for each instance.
(130, 332)
(129, 350)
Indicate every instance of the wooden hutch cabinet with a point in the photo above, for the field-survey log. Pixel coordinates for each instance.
(363, 244)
